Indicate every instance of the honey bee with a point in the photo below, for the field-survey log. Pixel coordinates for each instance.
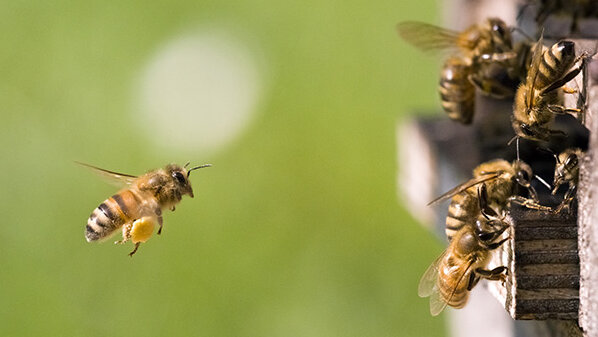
(138, 207)
(538, 100)
(500, 178)
(458, 269)
(567, 171)
(484, 58)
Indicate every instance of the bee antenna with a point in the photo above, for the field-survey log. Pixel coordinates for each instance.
(197, 167)
(543, 181)
(512, 140)
(187, 164)
(515, 138)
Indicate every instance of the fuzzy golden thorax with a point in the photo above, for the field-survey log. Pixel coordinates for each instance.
(168, 185)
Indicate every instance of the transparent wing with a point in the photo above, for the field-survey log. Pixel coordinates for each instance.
(428, 284)
(437, 304)
(462, 187)
(534, 68)
(428, 37)
(119, 179)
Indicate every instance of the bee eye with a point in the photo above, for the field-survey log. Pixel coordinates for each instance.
(571, 161)
(524, 175)
(179, 177)
(526, 129)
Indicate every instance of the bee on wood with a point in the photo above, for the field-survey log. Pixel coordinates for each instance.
(451, 276)
(538, 100)
(501, 179)
(567, 171)
(137, 208)
(482, 56)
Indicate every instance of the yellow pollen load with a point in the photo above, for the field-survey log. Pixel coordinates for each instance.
(142, 229)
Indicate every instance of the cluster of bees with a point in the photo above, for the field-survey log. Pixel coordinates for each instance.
(485, 58)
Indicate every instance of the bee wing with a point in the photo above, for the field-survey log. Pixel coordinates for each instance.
(437, 304)
(120, 179)
(428, 37)
(533, 71)
(462, 187)
(428, 284)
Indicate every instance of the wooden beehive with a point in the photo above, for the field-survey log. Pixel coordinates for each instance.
(543, 262)
(552, 257)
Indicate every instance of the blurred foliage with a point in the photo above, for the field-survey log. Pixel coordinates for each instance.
(295, 231)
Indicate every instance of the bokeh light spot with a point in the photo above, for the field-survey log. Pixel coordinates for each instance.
(199, 91)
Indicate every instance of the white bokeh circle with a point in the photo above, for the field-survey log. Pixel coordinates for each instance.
(199, 91)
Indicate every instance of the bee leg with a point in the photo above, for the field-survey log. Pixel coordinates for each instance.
(559, 109)
(498, 273)
(160, 220)
(497, 244)
(135, 249)
(473, 280)
(567, 200)
(126, 233)
(569, 76)
(529, 203)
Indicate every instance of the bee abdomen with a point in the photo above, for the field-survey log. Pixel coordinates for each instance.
(111, 215)
(456, 91)
(462, 211)
(455, 295)
(455, 298)
(556, 62)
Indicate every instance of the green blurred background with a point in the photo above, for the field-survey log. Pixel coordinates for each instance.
(295, 231)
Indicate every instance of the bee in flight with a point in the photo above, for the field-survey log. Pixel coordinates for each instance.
(500, 179)
(538, 100)
(451, 276)
(485, 58)
(567, 171)
(137, 208)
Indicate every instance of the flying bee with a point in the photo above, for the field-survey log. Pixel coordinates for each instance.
(538, 100)
(138, 207)
(501, 180)
(482, 56)
(567, 171)
(458, 269)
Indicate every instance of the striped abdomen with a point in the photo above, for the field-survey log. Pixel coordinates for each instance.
(456, 91)
(556, 62)
(453, 279)
(112, 214)
(463, 211)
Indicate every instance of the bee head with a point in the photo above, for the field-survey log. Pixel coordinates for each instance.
(179, 180)
(566, 169)
(527, 131)
(523, 173)
(501, 34)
